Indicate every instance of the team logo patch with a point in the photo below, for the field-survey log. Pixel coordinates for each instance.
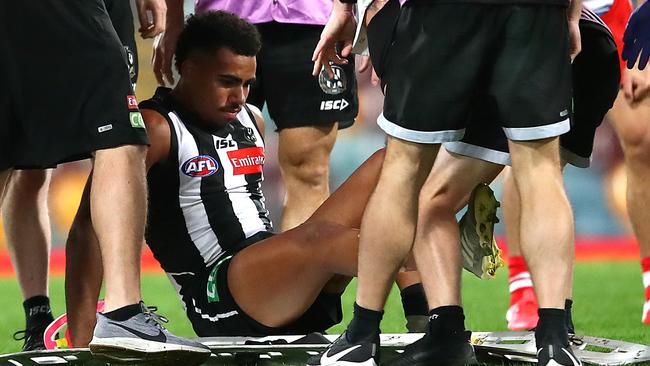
(136, 120)
(131, 102)
(336, 85)
(247, 161)
(200, 166)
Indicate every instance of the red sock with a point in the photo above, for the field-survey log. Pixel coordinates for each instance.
(519, 278)
(645, 268)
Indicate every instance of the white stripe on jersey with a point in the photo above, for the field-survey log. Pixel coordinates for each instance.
(599, 7)
(590, 16)
(242, 203)
(194, 212)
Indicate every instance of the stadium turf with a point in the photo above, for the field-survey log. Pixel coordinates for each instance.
(608, 300)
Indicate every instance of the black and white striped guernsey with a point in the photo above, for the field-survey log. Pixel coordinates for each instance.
(206, 198)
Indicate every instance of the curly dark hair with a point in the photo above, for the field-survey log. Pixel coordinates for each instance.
(212, 30)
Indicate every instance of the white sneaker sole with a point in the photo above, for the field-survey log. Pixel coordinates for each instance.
(142, 350)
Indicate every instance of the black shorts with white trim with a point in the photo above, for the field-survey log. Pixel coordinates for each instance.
(596, 79)
(448, 59)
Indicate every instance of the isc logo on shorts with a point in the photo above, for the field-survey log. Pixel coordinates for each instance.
(334, 105)
(200, 166)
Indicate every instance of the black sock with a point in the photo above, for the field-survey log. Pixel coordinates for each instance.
(364, 324)
(414, 301)
(446, 320)
(37, 311)
(124, 312)
(568, 304)
(551, 327)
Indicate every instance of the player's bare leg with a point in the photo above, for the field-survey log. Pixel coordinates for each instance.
(522, 314)
(27, 227)
(304, 156)
(632, 124)
(437, 240)
(82, 252)
(118, 206)
(314, 255)
(388, 225)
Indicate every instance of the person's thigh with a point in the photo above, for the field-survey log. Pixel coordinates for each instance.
(82, 89)
(530, 78)
(294, 97)
(433, 77)
(276, 280)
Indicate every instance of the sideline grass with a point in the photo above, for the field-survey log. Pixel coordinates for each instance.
(608, 302)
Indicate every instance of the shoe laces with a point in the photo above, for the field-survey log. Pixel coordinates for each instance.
(156, 319)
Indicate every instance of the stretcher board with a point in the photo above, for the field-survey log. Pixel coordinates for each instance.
(492, 348)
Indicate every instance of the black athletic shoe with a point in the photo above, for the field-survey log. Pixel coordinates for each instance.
(343, 352)
(33, 338)
(556, 355)
(454, 350)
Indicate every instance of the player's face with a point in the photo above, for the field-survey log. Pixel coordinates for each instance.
(222, 84)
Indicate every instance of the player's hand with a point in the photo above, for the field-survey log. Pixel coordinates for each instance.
(636, 39)
(365, 64)
(158, 11)
(339, 31)
(164, 47)
(636, 85)
(575, 45)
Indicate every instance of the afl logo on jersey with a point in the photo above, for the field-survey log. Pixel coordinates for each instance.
(333, 86)
(200, 166)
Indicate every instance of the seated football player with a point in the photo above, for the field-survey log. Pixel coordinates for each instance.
(208, 225)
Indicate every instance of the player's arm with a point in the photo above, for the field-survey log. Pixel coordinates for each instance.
(157, 9)
(159, 137)
(164, 46)
(259, 119)
(573, 19)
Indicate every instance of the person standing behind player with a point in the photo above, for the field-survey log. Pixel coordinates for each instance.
(518, 55)
(305, 110)
(97, 115)
(25, 212)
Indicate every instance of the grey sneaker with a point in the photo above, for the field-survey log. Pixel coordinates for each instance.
(481, 255)
(142, 338)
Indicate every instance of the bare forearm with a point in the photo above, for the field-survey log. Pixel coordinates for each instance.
(175, 14)
(575, 9)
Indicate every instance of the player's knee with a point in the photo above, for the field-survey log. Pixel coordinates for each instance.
(436, 200)
(306, 172)
(317, 235)
(636, 144)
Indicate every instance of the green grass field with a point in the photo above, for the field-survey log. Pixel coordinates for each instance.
(608, 301)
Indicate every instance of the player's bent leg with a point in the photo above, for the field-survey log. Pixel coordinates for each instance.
(437, 246)
(347, 203)
(27, 227)
(304, 156)
(310, 256)
(83, 277)
(632, 124)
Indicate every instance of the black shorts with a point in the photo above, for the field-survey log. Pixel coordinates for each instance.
(213, 312)
(447, 58)
(122, 19)
(72, 94)
(596, 78)
(284, 81)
